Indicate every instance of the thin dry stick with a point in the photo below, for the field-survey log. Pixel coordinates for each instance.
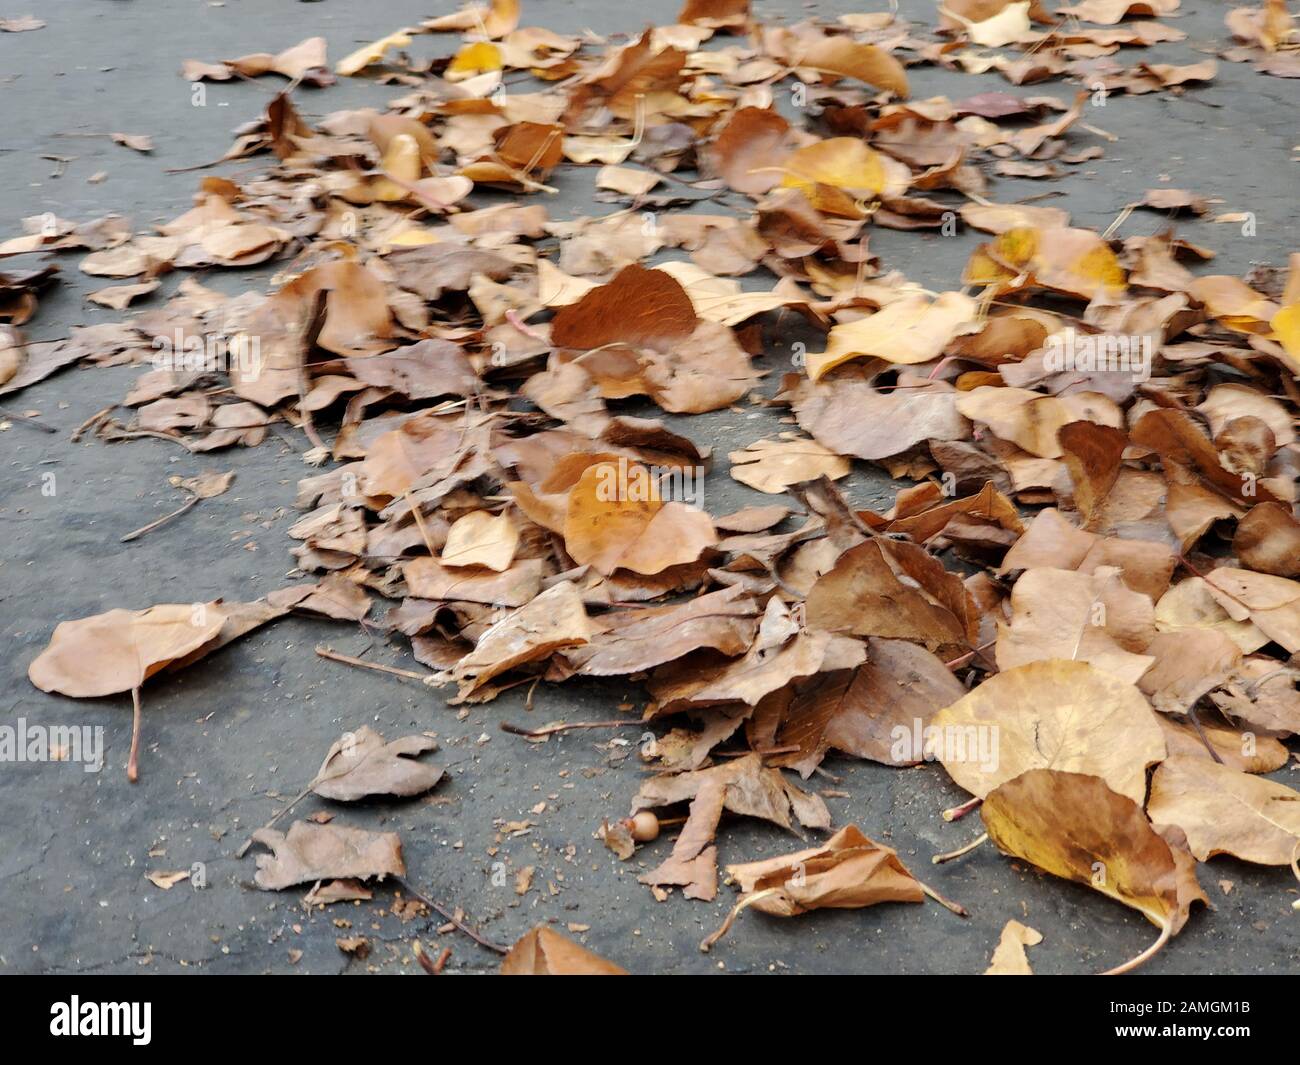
(311, 330)
(551, 730)
(1166, 930)
(271, 823)
(27, 420)
(939, 859)
(958, 812)
(947, 904)
(419, 521)
(337, 656)
(1196, 723)
(139, 434)
(133, 763)
(743, 904)
(161, 521)
(450, 916)
(93, 420)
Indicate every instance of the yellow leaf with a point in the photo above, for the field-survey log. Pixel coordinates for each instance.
(910, 330)
(474, 59)
(371, 53)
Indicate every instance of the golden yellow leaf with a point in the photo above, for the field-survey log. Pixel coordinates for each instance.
(1055, 714)
(370, 53)
(1075, 827)
(910, 330)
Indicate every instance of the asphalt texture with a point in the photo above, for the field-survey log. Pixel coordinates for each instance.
(227, 741)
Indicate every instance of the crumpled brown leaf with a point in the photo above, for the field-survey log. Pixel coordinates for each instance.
(309, 852)
(1073, 826)
(360, 763)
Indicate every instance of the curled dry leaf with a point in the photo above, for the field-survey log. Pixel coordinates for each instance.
(1090, 617)
(848, 872)
(639, 307)
(911, 330)
(1268, 540)
(551, 622)
(748, 788)
(1073, 826)
(773, 465)
(844, 57)
(893, 589)
(878, 711)
(481, 539)
(611, 523)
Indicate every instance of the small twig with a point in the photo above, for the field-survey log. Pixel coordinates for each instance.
(426, 963)
(136, 434)
(939, 859)
(133, 762)
(1252, 689)
(419, 521)
(958, 812)
(947, 904)
(27, 420)
(271, 823)
(450, 916)
(161, 521)
(1166, 930)
(337, 656)
(743, 904)
(1196, 724)
(551, 730)
(95, 418)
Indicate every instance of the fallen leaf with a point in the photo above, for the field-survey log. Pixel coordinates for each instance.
(1073, 826)
(543, 952)
(311, 852)
(1225, 811)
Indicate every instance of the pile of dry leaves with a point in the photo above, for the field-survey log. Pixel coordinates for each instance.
(1085, 606)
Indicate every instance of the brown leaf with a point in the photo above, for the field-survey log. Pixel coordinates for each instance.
(1073, 826)
(360, 764)
(543, 952)
(639, 307)
(311, 852)
(119, 650)
(1268, 540)
(749, 789)
(844, 57)
(773, 465)
(893, 589)
(1057, 715)
(552, 621)
(617, 518)
(1224, 811)
(864, 712)
(1095, 617)
(1009, 958)
(635, 640)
